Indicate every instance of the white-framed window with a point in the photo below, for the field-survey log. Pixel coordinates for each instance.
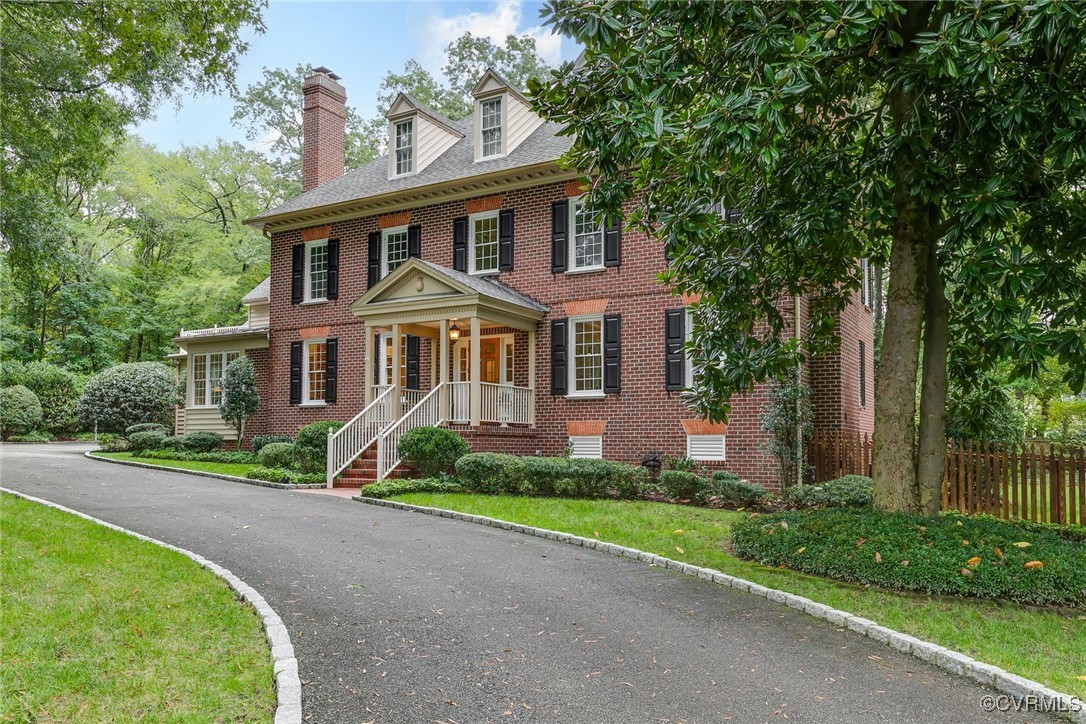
(403, 136)
(384, 374)
(867, 282)
(705, 447)
(586, 446)
(585, 237)
(206, 371)
(490, 127)
(586, 358)
(395, 248)
(315, 361)
(316, 271)
(483, 244)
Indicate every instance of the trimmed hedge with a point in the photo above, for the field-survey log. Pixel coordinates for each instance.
(391, 488)
(57, 389)
(202, 441)
(277, 455)
(850, 491)
(216, 456)
(20, 411)
(946, 554)
(261, 440)
(281, 475)
(432, 451)
(147, 440)
(684, 485)
(733, 490)
(499, 473)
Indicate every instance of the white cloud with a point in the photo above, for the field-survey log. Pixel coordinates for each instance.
(504, 18)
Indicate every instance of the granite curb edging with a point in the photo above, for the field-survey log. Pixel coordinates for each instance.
(288, 687)
(950, 661)
(204, 474)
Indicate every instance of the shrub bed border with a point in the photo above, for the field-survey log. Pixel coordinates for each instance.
(288, 687)
(950, 661)
(205, 474)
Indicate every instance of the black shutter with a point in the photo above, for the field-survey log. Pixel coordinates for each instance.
(297, 274)
(612, 353)
(505, 240)
(559, 363)
(373, 260)
(414, 241)
(460, 244)
(333, 269)
(412, 362)
(331, 369)
(612, 244)
(675, 336)
(559, 236)
(295, 373)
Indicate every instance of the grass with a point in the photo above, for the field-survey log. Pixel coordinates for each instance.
(1045, 645)
(235, 469)
(98, 627)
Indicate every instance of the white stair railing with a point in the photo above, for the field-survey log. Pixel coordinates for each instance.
(348, 442)
(427, 413)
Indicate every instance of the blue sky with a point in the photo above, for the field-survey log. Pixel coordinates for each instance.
(358, 40)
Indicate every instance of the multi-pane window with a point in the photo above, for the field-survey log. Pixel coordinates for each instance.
(484, 243)
(404, 140)
(491, 127)
(587, 368)
(587, 237)
(316, 276)
(395, 248)
(316, 359)
(385, 374)
(207, 372)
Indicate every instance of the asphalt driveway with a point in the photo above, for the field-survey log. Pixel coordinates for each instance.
(399, 617)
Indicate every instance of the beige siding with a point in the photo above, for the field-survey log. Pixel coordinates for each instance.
(258, 315)
(431, 140)
(520, 122)
(207, 419)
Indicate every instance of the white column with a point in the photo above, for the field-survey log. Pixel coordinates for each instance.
(476, 397)
(531, 375)
(443, 368)
(370, 351)
(396, 402)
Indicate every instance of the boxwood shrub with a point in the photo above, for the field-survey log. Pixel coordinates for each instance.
(215, 456)
(851, 491)
(491, 473)
(390, 488)
(147, 440)
(499, 473)
(683, 485)
(432, 451)
(312, 445)
(282, 475)
(277, 455)
(733, 490)
(946, 554)
(20, 411)
(202, 441)
(261, 440)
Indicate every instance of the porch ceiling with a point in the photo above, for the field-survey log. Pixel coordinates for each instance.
(419, 291)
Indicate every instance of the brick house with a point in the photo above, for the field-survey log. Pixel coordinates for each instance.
(459, 281)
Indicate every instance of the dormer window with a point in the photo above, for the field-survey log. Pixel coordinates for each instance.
(491, 127)
(405, 147)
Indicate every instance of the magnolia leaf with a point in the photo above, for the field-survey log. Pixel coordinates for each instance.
(973, 561)
(801, 549)
(904, 563)
(680, 550)
(1022, 544)
(1034, 565)
(784, 525)
(999, 553)
(878, 557)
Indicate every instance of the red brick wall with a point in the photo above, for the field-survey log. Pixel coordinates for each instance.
(642, 419)
(835, 379)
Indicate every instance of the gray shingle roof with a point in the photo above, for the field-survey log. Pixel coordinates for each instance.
(488, 287)
(260, 293)
(458, 162)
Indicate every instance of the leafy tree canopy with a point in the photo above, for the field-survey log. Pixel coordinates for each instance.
(948, 138)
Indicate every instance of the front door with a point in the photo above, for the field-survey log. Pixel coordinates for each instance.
(495, 360)
(490, 359)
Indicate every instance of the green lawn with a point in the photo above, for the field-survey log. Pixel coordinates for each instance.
(1046, 646)
(236, 469)
(96, 626)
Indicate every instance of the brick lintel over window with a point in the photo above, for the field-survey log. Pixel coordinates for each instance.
(391, 221)
(487, 203)
(314, 233)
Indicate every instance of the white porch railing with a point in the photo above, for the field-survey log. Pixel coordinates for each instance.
(505, 404)
(427, 413)
(459, 401)
(348, 442)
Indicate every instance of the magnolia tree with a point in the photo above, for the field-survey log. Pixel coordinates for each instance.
(239, 399)
(945, 138)
(126, 395)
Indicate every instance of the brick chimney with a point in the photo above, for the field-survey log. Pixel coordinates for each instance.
(323, 112)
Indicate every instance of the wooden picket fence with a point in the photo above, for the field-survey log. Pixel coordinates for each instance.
(1039, 482)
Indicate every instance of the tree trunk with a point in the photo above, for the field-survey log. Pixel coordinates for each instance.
(931, 450)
